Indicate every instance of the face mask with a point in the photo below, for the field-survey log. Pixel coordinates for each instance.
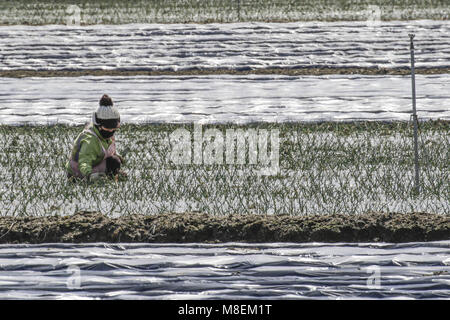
(106, 134)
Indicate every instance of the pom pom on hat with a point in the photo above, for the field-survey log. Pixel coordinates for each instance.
(106, 101)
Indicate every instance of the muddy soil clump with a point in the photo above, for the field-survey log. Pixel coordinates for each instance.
(85, 227)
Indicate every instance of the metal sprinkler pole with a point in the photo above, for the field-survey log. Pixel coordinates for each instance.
(414, 116)
(239, 10)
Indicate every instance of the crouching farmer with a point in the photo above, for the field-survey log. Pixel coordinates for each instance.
(94, 152)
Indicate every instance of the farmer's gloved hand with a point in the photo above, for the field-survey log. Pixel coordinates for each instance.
(113, 164)
(96, 176)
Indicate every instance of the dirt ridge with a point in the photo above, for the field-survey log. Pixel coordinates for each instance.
(88, 227)
(297, 71)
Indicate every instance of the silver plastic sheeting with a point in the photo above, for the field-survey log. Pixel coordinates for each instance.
(237, 46)
(225, 98)
(226, 271)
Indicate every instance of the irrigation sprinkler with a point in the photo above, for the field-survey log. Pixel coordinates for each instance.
(414, 116)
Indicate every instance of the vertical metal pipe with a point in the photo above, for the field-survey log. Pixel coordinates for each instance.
(414, 116)
(239, 10)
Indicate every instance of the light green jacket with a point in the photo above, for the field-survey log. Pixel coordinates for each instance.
(88, 151)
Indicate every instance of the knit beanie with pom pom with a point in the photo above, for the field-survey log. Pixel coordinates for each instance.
(107, 114)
